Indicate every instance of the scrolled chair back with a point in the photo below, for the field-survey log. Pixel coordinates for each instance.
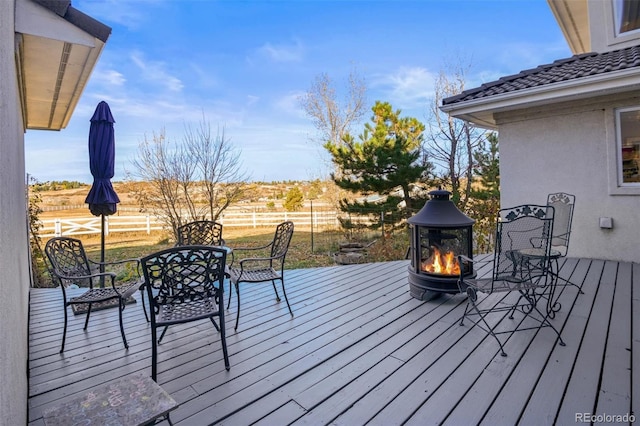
(184, 274)
(523, 232)
(282, 239)
(68, 258)
(200, 232)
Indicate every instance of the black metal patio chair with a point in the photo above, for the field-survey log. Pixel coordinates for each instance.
(563, 205)
(70, 265)
(521, 265)
(200, 232)
(263, 269)
(185, 284)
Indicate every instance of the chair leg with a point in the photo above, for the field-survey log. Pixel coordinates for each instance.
(64, 332)
(238, 312)
(214, 324)
(223, 338)
(154, 354)
(466, 308)
(86, 321)
(121, 308)
(144, 307)
(545, 320)
(472, 297)
(556, 274)
(567, 282)
(162, 335)
(273, 282)
(285, 298)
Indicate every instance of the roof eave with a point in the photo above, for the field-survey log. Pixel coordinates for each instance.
(573, 19)
(57, 48)
(482, 111)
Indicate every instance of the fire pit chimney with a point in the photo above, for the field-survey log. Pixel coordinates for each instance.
(439, 233)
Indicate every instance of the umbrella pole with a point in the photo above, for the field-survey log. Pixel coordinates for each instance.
(102, 251)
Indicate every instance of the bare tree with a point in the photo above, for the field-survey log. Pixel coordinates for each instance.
(194, 180)
(218, 166)
(331, 117)
(450, 142)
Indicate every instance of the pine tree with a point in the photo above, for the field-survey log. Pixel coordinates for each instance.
(386, 160)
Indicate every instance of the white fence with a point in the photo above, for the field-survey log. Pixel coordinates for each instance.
(323, 220)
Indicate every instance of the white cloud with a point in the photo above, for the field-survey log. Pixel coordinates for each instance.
(109, 77)
(290, 104)
(292, 52)
(408, 87)
(132, 15)
(154, 71)
(252, 100)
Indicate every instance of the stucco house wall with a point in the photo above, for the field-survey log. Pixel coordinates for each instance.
(14, 273)
(572, 148)
(33, 36)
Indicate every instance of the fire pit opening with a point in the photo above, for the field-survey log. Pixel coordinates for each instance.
(439, 233)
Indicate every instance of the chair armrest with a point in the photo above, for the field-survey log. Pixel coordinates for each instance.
(251, 248)
(87, 277)
(462, 257)
(84, 277)
(258, 259)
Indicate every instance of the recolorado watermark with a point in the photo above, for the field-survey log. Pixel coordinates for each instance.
(605, 418)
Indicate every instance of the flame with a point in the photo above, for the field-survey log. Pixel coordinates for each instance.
(439, 263)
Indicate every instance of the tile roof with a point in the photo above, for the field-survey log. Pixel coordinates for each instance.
(573, 68)
(85, 22)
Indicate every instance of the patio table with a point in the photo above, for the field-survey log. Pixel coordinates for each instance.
(132, 400)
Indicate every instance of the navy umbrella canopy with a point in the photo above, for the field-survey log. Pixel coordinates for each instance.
(102, 198)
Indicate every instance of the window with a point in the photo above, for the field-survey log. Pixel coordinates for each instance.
(628, 140)
(627, 15)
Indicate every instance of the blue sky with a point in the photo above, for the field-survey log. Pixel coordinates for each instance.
(242, 65)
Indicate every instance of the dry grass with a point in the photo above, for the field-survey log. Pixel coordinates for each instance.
(135, 245)
(302, 254)
(306, 250)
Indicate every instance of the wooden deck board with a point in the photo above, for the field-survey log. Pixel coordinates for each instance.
(582, 392)
(635, 341)
(547, 397)
(360, 350)
(615, 389)
(510, 402)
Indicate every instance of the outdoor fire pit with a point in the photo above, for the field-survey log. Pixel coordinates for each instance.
(439, 233)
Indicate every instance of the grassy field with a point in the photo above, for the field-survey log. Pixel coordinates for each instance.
(302, 253)
(306, 250)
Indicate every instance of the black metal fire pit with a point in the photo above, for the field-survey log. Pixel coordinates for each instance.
(439, 233)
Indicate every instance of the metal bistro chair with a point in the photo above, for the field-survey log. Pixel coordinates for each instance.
(563, 204)
(200, 232)
(185, 284)
(70, 265)
(521, 264)
(262, 269)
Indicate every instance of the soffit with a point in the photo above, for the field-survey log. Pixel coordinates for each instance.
(573, 19)
(54, 55)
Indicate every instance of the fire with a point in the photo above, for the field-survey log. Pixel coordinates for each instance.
(439, 263)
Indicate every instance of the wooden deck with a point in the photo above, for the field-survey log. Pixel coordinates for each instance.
(360, 350)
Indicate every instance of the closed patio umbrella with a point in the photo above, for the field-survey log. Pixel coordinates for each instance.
(102, 198)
